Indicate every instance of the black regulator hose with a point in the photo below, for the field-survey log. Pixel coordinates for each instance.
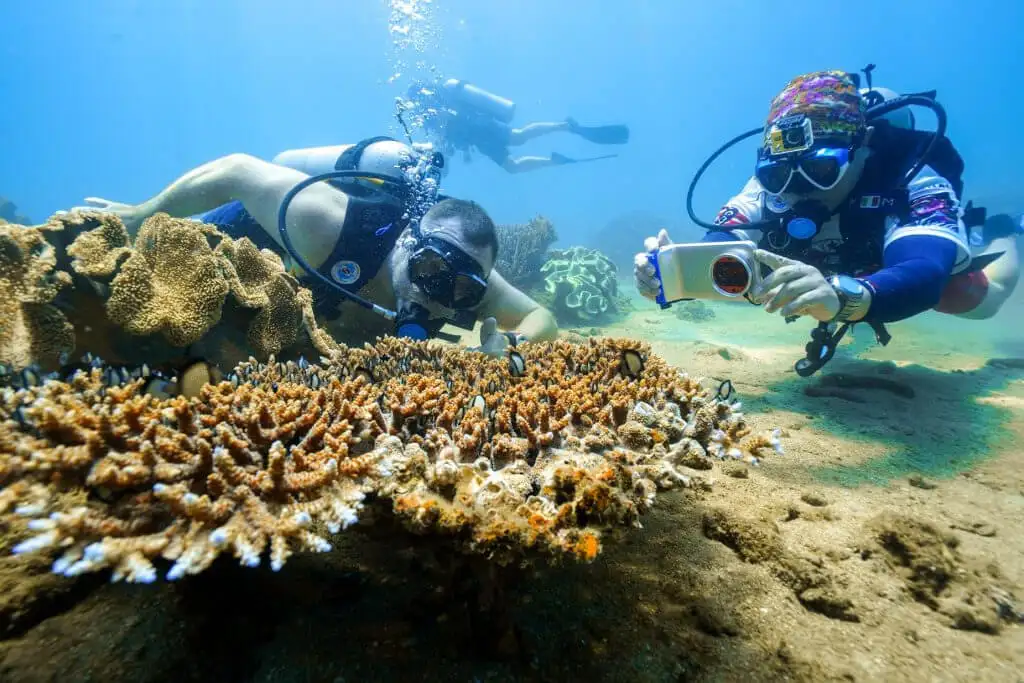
(872, 113)
(282, 228)
(704, 167)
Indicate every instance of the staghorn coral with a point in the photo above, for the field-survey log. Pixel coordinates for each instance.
(442, 440)
(32, 329)
(521, 250)
(185, 480)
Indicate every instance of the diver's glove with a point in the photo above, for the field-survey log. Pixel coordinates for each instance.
(643, 270)
(796, 288)
(493, 342)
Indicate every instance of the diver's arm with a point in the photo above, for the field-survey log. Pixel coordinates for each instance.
(916, 271)
(741, 210)
(515, 311)
(920, 254)
(260, 186)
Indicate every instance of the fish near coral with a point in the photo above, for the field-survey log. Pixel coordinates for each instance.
(632, 363)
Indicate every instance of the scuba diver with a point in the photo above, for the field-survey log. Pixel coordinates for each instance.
(858, 215)
(361, 238)
(461, 116)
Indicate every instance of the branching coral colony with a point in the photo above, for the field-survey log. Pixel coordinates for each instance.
(450, 442)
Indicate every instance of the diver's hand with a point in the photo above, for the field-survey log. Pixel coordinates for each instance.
(643, 270)
(494, 342)
(796, 288)
(129, 214)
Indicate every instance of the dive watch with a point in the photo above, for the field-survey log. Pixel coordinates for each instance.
(852, 297)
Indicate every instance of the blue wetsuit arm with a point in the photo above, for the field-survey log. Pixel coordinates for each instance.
(719, 236)
(916, 270)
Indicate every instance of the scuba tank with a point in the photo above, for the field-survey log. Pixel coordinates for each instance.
(311, 160)
(461, 92)
(899, 118)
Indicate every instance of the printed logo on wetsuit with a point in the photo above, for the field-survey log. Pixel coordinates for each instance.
(730, 215)
(776, 204)
(345, 272)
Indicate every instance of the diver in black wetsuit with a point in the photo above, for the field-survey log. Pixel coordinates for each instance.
(361, 239)
(462, 116)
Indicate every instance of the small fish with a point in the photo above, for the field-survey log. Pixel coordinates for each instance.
(195, 374)
(30, 377)
(516, 364)
(479, 402)
(632, 363)
(303, 364)
(192, 376)
(159, 387)
(314, 380)
(110, 376)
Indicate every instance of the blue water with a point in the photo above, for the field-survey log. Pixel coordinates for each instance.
(116, 98)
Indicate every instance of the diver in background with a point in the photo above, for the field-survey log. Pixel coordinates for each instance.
(844, 241)
(462, 116)
(432, 273)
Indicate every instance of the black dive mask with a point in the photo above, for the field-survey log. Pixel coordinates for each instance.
(447, 274)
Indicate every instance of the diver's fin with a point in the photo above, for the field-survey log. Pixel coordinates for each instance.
(979, 262)
(600, 135)
(562, 159)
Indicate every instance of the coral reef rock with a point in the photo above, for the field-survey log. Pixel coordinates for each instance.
(9, 213)
(580, 285)
(693, 311)
(522, 249)
(80, 281)
(425, 437)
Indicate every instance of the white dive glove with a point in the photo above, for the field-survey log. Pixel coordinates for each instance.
(643, 270)
(494, 342)
(795, 288)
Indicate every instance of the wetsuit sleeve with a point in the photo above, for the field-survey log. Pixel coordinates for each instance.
(743, 209)
(921, 252)
(915, 272)
(934, 211)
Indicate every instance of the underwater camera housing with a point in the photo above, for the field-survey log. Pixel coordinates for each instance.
(724, 271)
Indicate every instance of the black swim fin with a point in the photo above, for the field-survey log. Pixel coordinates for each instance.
(600, 135)
(562, 159)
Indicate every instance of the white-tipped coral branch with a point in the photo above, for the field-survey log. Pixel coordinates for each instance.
(279, 455)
